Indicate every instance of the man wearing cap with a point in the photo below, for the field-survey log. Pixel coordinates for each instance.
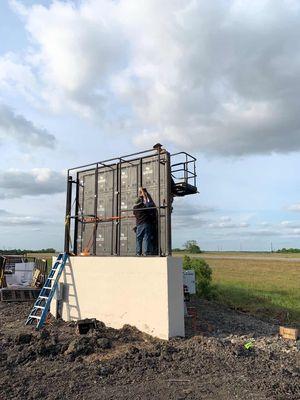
(143, 212)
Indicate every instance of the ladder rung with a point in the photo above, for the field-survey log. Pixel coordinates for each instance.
(41, 307)
(47, 287)
(43, 297)
(34, 316)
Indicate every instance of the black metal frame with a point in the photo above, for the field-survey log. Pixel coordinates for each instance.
(189, 176)
(178, 167)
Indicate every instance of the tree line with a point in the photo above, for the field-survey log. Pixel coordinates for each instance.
(25, 251)
(290, 250)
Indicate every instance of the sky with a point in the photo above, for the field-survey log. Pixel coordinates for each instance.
(82, 81)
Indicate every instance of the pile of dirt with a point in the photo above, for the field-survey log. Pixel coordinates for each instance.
(211, 363)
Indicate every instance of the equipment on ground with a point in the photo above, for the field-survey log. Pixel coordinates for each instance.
(2, 272)
(41, 307)
(86, 325)
(21, 277)
(35, 277)
(18, 294)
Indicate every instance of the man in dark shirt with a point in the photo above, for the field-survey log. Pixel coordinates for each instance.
(143, 213)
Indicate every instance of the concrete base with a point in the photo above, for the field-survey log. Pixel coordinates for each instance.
(146, 292)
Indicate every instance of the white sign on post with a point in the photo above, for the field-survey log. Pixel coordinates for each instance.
(189, 280)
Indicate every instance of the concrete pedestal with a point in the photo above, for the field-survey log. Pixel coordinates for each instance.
(146, 292)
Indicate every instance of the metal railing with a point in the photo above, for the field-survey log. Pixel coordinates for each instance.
(183, 168)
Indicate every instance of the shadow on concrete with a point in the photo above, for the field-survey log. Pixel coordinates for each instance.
(70, 297)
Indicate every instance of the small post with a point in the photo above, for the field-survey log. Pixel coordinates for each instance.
(141, 173)
(68, 214)
(95, 212)
(159, 203)
(112, 251)
(75, 249)
(168, 208)
(120, 206)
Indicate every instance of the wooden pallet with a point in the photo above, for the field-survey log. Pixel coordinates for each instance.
(20, 294)
(289, 333)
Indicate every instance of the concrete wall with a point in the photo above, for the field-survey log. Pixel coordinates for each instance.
(146, 292)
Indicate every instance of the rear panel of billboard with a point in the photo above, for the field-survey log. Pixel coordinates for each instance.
(111, 191)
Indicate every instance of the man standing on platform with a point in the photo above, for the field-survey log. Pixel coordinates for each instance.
(144, 213)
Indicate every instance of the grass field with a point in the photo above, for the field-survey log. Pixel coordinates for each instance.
(262, 287)
(245, 254)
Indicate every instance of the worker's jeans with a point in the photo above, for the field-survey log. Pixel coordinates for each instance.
(143, 236)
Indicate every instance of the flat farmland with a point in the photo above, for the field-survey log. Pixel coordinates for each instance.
(260, 284)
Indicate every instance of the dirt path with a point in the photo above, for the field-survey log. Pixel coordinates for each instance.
(211, 363)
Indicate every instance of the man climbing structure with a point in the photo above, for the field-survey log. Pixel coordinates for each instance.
(144, 213)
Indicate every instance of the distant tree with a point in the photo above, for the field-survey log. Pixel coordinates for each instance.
(177, 250)
(192, 247)
(290, 250)
(49, 250)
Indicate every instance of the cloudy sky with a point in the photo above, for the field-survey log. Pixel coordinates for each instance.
(85, 80)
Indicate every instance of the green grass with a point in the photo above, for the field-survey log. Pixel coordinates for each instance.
(266, 288)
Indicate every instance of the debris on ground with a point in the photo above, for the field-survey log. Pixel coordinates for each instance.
(211, 363)
(289, 333)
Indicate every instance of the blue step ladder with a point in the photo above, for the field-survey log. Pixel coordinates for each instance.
(41, 307)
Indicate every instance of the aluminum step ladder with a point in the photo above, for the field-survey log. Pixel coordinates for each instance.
(41, 307)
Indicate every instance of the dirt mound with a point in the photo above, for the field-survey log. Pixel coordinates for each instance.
(212, 363)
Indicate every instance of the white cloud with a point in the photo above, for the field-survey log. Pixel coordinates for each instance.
(21, 221)
(17, 128)
(226, 222)
(290, 224)
(294, 207)
(225, 218)
(9, 219)
(262, 232)
(216, 77)
(77, 49)
(17, 75)
(4, 213)
(38, 181)
(187, 214)
(265, 224)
